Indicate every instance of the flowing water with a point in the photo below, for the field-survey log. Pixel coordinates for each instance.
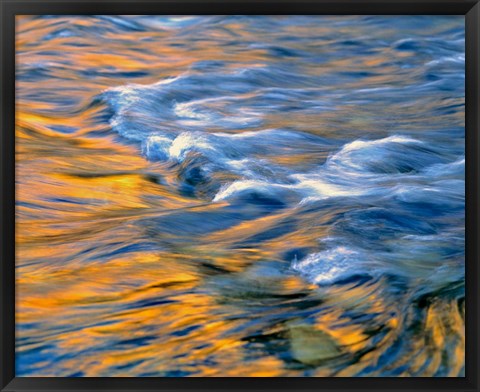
(240, 196)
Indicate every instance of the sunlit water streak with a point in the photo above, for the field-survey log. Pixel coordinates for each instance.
(240, 196)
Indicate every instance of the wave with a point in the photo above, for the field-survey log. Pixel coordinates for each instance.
(196, 102)
(208, 127)
(402, 176)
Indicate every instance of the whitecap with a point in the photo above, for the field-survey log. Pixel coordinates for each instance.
(156, 147)
(455, 59)
(237, 187)
(392, 154)
(329, 265)
(187, 142)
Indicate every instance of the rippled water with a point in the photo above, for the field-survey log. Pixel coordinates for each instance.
(240, 196)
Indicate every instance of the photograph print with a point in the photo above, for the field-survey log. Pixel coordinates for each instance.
(240, 196)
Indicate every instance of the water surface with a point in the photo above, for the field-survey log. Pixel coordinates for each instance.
(240, 196)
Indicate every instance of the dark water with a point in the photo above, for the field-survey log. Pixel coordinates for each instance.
(240, 196)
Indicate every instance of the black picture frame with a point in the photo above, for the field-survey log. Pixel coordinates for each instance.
(10, 8)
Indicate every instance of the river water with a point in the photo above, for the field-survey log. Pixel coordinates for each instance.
(240, 196)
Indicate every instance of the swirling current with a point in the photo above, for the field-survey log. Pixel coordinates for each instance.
(240, 196)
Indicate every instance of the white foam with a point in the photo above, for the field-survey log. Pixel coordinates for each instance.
(188, 141)
(364, 144)
(238, 186)
(187, 110)
(319, 188)
(456, 59)
(156, 147)
(329, 265)
(356, 156)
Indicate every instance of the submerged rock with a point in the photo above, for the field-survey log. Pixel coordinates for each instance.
(311, 346)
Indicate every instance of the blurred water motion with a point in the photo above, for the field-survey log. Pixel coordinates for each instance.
(240, 196)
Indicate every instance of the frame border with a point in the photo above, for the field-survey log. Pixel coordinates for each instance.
(8, 10)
